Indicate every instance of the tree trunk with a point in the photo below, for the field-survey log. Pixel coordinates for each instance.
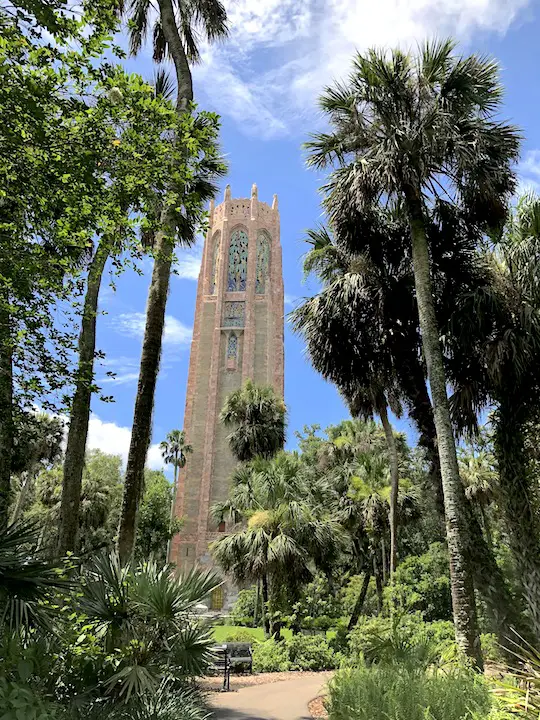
(518, 501)
(463, 600)
(359, 604)
(504, 613)
(68, 525)
(155, 316)
(144, 402)
(394, 489)
(21, 499)
(265, 619)
(487, 527)
(176, 51)
(378, 584)
(6, 412)
(257, 603)
(171, 515)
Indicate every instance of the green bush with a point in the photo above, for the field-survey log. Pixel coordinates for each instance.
(422, 584)
(19, 701)
(243, 610)
(270, 656)
(392, 693)
(241, 636)
(405, 639)
(491, 649)
(311, 653)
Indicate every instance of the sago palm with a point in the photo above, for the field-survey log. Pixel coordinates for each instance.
(411, 129)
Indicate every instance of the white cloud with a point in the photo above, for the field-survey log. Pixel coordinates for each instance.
(291, 300)
(189, 261)
(529, 173)
(120, 378)
(114, 440)
(281, 53)
(132, 324)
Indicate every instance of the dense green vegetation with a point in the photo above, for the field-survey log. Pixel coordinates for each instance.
(405, 568)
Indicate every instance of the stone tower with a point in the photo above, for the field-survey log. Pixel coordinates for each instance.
(237, 334)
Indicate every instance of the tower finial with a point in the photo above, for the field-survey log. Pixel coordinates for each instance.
(227, 192)
(254, 190)
(275, 203)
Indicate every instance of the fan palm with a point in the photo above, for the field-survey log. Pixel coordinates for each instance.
(257, 417)
(410, 129)
(287, 533)
(174, 451)
(496, 340)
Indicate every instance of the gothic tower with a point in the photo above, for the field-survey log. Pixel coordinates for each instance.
(237, 334)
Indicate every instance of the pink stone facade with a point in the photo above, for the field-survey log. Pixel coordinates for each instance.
(237, 334)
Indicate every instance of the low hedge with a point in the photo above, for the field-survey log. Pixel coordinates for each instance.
(301, 652)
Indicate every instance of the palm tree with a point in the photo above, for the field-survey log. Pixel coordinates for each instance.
(494, 360)
(176, 32)
(174, 451)
(384, 317)
(257, 416)
(283, 531)
(410, 128)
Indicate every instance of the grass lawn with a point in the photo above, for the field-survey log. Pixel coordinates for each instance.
(221, 632)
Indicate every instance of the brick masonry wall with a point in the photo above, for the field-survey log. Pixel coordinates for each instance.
(260, 357)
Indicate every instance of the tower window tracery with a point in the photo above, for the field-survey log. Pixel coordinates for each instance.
(238, 255)
(263, 263)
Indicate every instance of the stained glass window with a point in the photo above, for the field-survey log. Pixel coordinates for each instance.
(215, 264)
(233, 315)
(232, 347)
(238, 254)
(263, 261)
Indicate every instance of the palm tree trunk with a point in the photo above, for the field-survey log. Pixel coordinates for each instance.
(6, 412)
(518, 501)
(487, 527)
(504, 613)
(463, 600)
(21, 499)
(383, 559)
(394, 487)
(378, 583)
(171, 515)
(265, 619)
(155, 316)
(144, 402)
(359, 604)
(68, 526)
(257, 603)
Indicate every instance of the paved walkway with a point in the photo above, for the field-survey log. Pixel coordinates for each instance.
(286, 700)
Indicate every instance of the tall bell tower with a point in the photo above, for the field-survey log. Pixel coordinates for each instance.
(237, 334)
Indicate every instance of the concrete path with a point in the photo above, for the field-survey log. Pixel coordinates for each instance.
(286, 700)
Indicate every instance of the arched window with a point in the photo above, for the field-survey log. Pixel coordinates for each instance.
(238, 254)
(263, 262)
(232, 347)
(215, 264)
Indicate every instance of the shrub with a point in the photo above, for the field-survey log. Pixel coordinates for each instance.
(422, 584)
(405, 639)
(392, 693)
(19, 700)
(243, 610)
(270, 656)
(311, 653)
(242, 636)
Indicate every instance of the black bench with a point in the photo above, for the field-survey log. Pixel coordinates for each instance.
(221, 664)
(240, 656)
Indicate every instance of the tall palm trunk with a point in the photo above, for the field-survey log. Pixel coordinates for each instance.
(155, 318)
(6, 413)
(173, 504)
(80, 410)
(21, 499)
(360, 600)
(394, 484)
(265, 618)
(463, 600)
(504, 613)
(518, 502)
(144, 402)
(378, 583)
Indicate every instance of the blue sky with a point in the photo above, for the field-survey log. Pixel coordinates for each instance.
(264, 82)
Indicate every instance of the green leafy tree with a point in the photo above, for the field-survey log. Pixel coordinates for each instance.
(133, 122)
(401, 126)
(156, 527)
